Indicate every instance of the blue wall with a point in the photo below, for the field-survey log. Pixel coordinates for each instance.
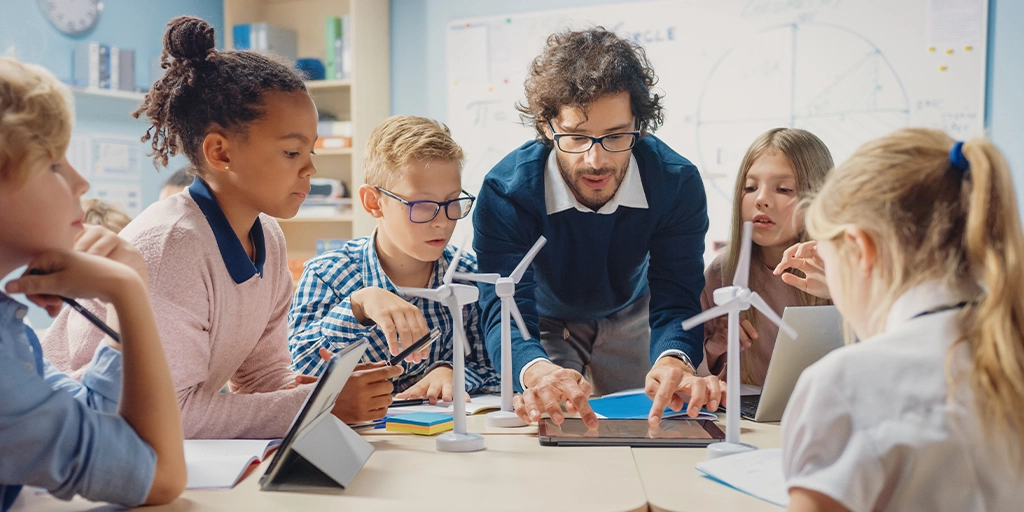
(418, 30)
(26, 34)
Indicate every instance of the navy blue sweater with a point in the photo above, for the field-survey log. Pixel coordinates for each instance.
(594, 265)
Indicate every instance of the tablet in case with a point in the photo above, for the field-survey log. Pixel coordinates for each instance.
(320, 451)
(673, 432)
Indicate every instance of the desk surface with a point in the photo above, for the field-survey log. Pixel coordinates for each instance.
(673, 484)
(405, 472)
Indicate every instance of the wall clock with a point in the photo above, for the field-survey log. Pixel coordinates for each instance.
(72, 17)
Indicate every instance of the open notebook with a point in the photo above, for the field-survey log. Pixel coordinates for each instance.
(757, 473)
(221, 463)
(477, 404)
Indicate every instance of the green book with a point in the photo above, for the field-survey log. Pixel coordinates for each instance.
(333, 35)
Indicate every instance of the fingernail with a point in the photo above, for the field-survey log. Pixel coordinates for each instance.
(534, 414)
(713, 405)
(655, 418)
(14, 287)
(556, 417)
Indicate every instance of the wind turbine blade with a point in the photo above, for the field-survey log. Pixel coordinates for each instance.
(743, 265)
(520, 323)
(766, 310)
(458, 327)
(450, 273)
(517, 274)
(714, 312)
(465, 293)
(478, 278)
(426, 293)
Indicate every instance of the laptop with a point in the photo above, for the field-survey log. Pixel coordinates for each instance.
(820, 330)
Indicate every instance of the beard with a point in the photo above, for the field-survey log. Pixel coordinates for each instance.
(593, 199)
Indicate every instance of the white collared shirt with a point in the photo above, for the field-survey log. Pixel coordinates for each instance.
(875, 425)
(559, 197)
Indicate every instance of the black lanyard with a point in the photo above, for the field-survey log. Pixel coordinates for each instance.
(940, 309)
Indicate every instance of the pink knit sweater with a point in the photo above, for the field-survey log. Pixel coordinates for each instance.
(214, 331)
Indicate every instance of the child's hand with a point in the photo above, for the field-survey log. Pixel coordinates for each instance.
(804, 257)
(73, 274)
(367, 394)
(100, 241)
(435, 386)
(718, 343)
(400, 320)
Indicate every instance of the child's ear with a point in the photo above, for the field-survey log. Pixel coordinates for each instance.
(864, 251)
(371, 201)
(216, 150)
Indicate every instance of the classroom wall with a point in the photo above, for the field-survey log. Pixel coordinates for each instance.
(26, 34)
(418, 30)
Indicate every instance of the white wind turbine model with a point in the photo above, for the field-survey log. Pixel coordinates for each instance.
(454, 296)
(505, 289)
(731, 300)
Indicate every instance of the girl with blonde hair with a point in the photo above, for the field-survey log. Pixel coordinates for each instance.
(781, 167)
(921, 246)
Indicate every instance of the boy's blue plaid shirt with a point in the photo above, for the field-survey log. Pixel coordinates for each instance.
(321, 316)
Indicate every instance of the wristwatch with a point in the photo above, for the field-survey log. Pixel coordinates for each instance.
(680, 355)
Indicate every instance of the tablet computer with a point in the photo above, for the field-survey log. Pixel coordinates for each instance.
(298, 463)
(672, 432)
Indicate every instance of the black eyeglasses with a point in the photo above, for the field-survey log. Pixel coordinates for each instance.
(421, 212)
(579, 143)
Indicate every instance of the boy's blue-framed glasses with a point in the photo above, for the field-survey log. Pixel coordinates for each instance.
(421, 212)
(579, 143)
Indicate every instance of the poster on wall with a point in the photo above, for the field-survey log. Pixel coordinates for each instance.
(115, 157)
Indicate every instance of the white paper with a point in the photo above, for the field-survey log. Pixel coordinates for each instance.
(468, 56)
(116, 157)
(79, 154)
(127, 197)
(219, 463)
(953, 24)
(757, 473)
(475, 405)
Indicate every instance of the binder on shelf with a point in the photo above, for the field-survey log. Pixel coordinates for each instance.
(332, 31)
(87, 64)
(122, 69)
(104, 60)
(266, 38)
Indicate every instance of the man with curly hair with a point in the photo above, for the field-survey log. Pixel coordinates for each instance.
(625, 218)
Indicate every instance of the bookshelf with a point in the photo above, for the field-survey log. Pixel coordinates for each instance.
(364, 99)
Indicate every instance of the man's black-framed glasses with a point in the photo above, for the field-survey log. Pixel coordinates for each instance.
(422, 212)
(579, 143)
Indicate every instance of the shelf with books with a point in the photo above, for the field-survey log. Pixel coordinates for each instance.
(363, 99)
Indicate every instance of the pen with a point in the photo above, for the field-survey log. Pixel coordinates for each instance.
(85, 312)
(430, 337)
(409, 403)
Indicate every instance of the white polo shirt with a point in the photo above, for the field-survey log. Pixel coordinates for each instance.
(875, 427)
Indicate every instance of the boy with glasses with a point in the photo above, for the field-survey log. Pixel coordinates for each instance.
(414, 191)
(625, 218)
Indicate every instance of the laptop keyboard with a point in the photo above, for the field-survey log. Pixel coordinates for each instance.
(748, 405)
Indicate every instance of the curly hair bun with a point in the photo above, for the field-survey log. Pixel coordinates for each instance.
(189, 39)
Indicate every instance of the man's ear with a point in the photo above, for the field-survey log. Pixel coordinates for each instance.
(371, 201)
(863, 249)
(217, 151)
(546, 129)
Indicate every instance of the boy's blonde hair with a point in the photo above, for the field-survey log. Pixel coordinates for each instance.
(102, 214)
(35, 119)
(811, 161)
(930, 220)
(399, 139)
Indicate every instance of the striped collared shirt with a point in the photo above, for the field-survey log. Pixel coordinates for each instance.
(321, 316)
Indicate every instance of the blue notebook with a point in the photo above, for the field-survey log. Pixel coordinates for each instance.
(636, 406)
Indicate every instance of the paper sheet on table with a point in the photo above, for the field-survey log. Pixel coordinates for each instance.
(634, 405)
(221, 463)
(477, 404)
(757, 473)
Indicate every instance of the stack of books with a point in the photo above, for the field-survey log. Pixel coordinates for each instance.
(100, 66)
(334, 135)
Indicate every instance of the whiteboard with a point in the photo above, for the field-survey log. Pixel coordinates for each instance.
(848, 71)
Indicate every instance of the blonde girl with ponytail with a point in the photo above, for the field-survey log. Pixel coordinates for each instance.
(922, 248)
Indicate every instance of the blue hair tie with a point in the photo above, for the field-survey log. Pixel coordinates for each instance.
(956, 157)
